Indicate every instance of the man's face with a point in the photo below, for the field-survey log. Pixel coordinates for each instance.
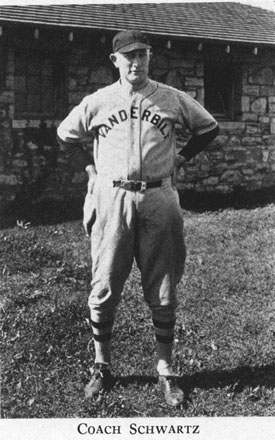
(133, 66)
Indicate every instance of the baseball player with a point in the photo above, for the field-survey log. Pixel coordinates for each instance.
(131, 209)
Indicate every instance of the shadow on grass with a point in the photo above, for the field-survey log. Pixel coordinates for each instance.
(124, 381)
(237, 199)
(44, 211)
(238, 379)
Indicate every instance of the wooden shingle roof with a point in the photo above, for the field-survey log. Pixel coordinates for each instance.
(219, 21)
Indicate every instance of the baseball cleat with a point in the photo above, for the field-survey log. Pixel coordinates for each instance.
(174, 396)
(100, 381)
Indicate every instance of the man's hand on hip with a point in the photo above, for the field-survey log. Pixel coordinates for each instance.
(179, 162)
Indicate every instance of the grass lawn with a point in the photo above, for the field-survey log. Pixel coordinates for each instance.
(225, 335)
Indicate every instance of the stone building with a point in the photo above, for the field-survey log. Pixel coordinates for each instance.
(222, 54)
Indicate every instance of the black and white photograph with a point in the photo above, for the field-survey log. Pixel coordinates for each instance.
(137, 220)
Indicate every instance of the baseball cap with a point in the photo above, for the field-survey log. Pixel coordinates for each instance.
(126, 41)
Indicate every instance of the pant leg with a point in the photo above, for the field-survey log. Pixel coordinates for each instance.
(112, 240)
(161, 257)
(160, 249)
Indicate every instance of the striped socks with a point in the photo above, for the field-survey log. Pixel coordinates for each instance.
(102, 340)
(164, 332)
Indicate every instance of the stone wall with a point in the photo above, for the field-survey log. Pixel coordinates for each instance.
(243, 155)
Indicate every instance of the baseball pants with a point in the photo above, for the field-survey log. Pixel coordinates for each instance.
(147, 226)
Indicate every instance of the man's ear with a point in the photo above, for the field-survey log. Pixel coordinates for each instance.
(113, 58)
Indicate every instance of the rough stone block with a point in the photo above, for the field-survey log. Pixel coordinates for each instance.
(186, 186)
(229, 157)
(231, 177)
(224, 189)
(253, 117)
(257, 177)
(252, 128)
(6, 97)
(220, 141)
(234, 127)
(264, 119)
(211, 181)
(254, 155)
(8, 180)
(192, 93)
(216, 155)
(240, 155)
(267, 91)
(251, 90)
(271, 104)
(234, 142)
(265, 156)
(194, 82)
(219, 168)
(245, 104)
(259, 106)
(248, 172)
(204, 168)
(19, 163)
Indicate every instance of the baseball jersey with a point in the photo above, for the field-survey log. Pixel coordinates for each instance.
(134, 135)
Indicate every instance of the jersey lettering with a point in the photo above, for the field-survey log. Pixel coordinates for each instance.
(133, 112)
(122, 116)
(155, 119)
(145, 115)
(113, 120)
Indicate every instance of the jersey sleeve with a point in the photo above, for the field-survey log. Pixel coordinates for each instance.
(75, 127)
(194, 116)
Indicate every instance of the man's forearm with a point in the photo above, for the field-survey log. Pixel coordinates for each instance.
(196, 144)
(76, 154)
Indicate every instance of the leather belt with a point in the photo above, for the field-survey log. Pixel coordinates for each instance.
(136, 185)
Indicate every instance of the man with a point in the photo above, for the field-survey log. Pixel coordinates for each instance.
(131, 209)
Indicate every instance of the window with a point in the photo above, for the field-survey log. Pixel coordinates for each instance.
(222, 94)
(39, 85)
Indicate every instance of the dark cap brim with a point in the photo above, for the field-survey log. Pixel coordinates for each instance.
(133, 46)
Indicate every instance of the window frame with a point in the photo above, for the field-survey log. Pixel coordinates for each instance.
(231, 68)
(58, 80)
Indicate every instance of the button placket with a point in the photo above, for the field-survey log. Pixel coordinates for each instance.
(134, 163)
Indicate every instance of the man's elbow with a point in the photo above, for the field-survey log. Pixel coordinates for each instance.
(60, 141)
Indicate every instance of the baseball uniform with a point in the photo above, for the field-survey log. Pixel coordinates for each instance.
(135, 141)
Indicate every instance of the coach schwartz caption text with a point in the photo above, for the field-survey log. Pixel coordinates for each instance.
(84, 428)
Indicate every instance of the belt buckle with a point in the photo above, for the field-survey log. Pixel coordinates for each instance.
(131, 185)
(143, 186)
